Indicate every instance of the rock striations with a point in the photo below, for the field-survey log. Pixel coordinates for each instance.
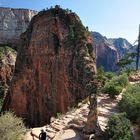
(13, 22)
(55, 67)
(110, 51)
(106, 54)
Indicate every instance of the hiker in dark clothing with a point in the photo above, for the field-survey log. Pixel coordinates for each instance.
(42, 135)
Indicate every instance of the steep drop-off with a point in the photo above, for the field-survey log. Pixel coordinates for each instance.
(13, 22)
(55, 67)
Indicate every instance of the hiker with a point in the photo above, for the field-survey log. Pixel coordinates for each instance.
(43, 135)
(32, 134)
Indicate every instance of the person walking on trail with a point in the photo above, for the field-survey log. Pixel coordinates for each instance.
(43, 135)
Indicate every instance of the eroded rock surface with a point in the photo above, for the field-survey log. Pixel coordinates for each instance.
(55, 67)
(106, 54)
(110, 51)
(7, 65)
(13, 22)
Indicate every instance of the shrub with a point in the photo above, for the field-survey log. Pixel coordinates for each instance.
(130, 102)
(118, 128)
(115, 85)
(112, 89)
(103, 76)
(109, 75)
(123, 80)
(11, 127)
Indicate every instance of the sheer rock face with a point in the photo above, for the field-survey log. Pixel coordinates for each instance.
(55, 67)
(106, 53)
(110, 51)
(13, 22)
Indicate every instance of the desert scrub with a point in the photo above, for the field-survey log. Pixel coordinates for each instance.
(115, 85)
(118, 128)
(130, 103)
(11, 127)
(103, 76)
(112, 90)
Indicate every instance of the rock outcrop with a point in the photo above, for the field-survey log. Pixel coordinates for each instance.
(13, 22)
(7, 65)
(55, 67)
(106, 54)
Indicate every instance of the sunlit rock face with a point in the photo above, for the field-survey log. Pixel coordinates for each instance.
(106, 53)
(55, 67)
(122, 46)
(110, 51)
(13, 22)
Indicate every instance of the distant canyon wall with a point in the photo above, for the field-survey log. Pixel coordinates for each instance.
(13, 22)
(109, 51)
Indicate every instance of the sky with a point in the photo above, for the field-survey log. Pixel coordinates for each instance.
(112, 18)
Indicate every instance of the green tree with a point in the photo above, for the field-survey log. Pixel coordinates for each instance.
(126, 61)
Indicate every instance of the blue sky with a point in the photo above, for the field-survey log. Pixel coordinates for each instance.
(112, 18)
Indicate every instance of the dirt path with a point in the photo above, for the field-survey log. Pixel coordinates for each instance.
(107, 107)
(57, 130)
(60, 124)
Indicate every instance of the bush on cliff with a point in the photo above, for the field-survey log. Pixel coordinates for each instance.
(130, 103)
(11, 127)
(118, 128)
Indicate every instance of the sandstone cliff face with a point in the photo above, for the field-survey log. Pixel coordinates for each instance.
(106, 54)
(55, 67)
(13, 22)
(7, 65)
(122, 46)
(110, 51)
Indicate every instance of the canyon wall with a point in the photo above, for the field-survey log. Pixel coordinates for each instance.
(106, 54)
(13, 22)
(110, 51)
(55, 67)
